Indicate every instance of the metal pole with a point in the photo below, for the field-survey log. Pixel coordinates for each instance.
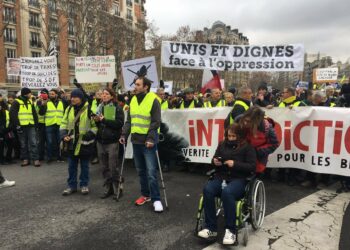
(121, 174)
(162, 180)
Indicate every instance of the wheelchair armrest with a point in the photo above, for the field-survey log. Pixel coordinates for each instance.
(250, 178)
(211, 172)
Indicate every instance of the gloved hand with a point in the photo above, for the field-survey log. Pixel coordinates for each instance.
(88, 136)
(19, 130)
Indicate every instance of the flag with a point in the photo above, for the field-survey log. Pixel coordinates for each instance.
(214, 82)
(52, 51)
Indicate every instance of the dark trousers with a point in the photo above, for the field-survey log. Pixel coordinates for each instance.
(73, 163)
(8, 144)
(52, 141)
(29, 143)
(229, 195)
(108, 157)
(41, 141)
(2, 179)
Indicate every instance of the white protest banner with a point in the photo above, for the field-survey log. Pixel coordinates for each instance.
(39, 72)
(233, 57)
(144, 66)
(13, 66)
(97, 69)
(315, 139)
(168, 87)
(4, 93)
(325, 75)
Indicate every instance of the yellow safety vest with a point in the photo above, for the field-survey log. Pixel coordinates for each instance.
(221, 103)
(85, 125)
(41, 118)
(25, 113)
(164, 105)
(240, 103)
(54, 114)
(7, 118)
(94, 106)
(289, 102)
(182, 106)
(140, 114)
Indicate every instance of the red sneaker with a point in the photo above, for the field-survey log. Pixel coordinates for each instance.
(142, 200)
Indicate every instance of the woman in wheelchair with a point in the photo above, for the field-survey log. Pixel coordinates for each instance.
(234, 161)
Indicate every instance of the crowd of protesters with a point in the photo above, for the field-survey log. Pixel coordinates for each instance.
(45, 127)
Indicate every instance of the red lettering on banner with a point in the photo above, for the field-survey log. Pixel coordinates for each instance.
(202, 130)
(287, 135)
(296, 135)
(321, 124)
(278, 130)
(192, 133)
(338, 133)
(347, 140)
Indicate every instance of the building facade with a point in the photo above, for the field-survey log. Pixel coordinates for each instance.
(80, 28)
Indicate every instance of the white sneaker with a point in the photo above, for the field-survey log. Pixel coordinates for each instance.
(158, 207)
(7, 183)
(206, 234)
(229, 238)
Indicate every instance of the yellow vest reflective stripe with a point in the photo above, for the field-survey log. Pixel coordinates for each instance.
(54, 114)
(182, 106)
(25, 113)
(94, 106)
(85, 125)
(140, 114)
(164, 105)
(332, 104)
(7, 118)
(240, 103)
(283, 104)
(221, 103)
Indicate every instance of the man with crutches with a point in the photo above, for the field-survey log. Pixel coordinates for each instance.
(143, 122)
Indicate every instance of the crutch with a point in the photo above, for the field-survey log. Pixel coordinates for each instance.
(162, 180)
(121, 175)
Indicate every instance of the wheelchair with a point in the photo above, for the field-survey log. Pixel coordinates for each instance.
(250, 210)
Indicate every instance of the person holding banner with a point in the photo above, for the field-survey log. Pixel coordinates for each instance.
(215, 99)
(143, 122)
(164, 104)
(109, 119)
(24, 118)
(242, 104)
(189, 102)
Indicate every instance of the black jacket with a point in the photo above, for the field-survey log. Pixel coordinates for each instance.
(236, 111)
(244, 158)
(15, 109)
(109, 130)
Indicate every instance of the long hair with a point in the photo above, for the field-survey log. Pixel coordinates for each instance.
(252, 119)
(112, 93)
(240, 133)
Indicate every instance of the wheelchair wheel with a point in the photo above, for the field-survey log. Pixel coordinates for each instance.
(258, 204)
(200, 224)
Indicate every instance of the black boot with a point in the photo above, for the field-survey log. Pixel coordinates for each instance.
(108, 192)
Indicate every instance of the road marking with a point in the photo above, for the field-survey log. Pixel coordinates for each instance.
(312, 223)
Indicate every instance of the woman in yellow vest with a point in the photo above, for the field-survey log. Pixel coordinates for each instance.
(24, 118)
(143, 121)
(78, 130)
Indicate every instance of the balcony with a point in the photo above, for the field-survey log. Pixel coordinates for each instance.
(10, 40)
(34, 24)
(35, 44)
(72, 67)
(10, 19)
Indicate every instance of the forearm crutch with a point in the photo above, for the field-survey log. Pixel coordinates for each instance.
(162, 180)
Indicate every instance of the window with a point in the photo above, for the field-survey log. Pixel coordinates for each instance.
(71, 27)
(36, 54)
(129, 3)
(9, 15)
(115, 9)
(103, 51)
(34, 3)
(72, 46)
(35, 40)
(52, 5)
(10, 53)
(10, 35)
(218, 37)
(10, 1)
(53, 25)
(71, 63)
(34, 20)
(129, 15)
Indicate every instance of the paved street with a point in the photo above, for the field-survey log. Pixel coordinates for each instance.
(34, 214)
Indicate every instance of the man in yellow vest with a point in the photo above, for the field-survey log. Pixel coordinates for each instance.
(189, 102)
(215, 100)
(241, 105)
(78, 131)
(289, 99)
(143, 122)
(24, 118)
(164, 104)
(52, 109)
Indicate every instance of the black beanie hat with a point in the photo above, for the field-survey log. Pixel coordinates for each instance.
(44, 91)
(77, 93)
(25, 91)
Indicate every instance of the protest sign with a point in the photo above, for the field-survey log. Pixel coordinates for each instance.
(39, 72)
(325, 75)
(97, 69)
(233, 57)
(92, 87)
(13, 66)
(316, 139)
(144, 66)
(4, 93)
(168, 87)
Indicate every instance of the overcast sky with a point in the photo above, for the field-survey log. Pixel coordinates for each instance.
(321, 25)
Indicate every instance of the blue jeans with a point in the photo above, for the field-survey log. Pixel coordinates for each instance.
(29, 143)
(234, 191)
(73, 163)
(146, 164)
(52, 141)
